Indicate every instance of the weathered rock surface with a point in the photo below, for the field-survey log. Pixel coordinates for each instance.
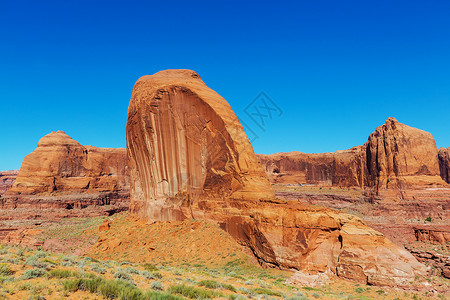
(444, 163)
(60, 165)
(190, 158)
(7, 179)
(184, 144)
(395, 156)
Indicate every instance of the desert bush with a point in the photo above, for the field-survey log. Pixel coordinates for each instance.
(192, 292)
(122, 275)
(359, 290)
(62, 273)
(97, 269)
(156, 285)
(150, 267)
(33, 261)
(34, 273)
(6, 270)
(263, 291)
(211, 284)
(110, 289)
(40, 254)
(131, 270)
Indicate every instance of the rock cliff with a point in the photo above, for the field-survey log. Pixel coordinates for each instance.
(395, 156)
(190, 158)
(60, 166)
(444, 163)
(184, 144)
(7, 179)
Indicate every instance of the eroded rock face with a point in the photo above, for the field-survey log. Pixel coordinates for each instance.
(444, 163)
(61, 165)
(185, 144)
(190, 158)
(395, 156)
(7, 179)
(341, 168)
(399, 154)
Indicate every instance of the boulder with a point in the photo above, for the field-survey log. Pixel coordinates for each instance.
(189, 158)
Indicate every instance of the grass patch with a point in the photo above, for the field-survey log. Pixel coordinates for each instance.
(62, 273)
(263, 291)
(6, 270)
(192, 292)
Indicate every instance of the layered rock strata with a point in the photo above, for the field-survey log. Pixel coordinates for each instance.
(395, 156)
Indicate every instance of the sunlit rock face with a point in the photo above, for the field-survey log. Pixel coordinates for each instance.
(400, 154)
(61, 165)
(396, 156)
(185, 145)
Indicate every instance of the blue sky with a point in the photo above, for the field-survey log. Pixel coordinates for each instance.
(336, 69)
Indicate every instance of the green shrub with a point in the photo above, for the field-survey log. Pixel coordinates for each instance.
(211, 284)
(428, 219)
(150, 267)
(97, 269)
(5, 270)
(263, 291)
(359, 290)
(192, 292)
(121, 274)
(156, 285)
(110, 289)
(34, 273)
(62, 273)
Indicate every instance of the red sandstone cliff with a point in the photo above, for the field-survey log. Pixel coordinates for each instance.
(395, 155)
(444, 163)
(61, 167)
(7, 179)
(190, 158)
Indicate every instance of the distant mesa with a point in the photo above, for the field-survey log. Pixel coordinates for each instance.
(189, 157)
(62, 166)
(395, 156)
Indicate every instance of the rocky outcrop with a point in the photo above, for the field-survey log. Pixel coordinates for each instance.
(7, 179)
(444, 163)
(62, 173)
(184, 144)
(398, 154)
(190, 158)
(395, 156)
(341, 168)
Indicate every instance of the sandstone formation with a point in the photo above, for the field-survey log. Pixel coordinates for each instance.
(444, 163)
(62, 173)
(395, 156)
(189, 158)
(7, 179)
(184, 144)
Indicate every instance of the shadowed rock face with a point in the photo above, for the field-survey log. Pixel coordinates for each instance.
(185, 144)
(190, 158)
(394, 156)
(62, 165)
(444, 163)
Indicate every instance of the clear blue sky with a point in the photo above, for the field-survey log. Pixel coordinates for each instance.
(337, 69)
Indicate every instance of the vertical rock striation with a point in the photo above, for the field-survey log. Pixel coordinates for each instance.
(184, 144)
